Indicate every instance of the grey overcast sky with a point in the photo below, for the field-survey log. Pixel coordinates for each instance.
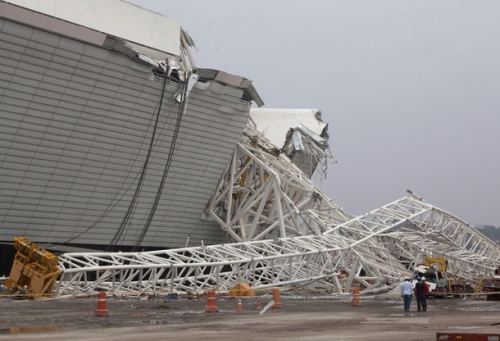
(410, 89)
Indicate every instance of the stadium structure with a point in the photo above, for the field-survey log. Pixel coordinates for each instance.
(143, 172)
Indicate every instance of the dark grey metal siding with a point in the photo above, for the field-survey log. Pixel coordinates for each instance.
(76, 122)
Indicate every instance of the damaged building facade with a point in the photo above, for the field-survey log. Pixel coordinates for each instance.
(111, 137)
(110, 140)
(151, 174)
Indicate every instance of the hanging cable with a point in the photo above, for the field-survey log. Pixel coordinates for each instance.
(115, 200)
(159, 192)
(116, 238)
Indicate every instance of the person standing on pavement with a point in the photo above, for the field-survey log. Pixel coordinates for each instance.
(420, 294)
(406, 293)
(426, 290)
(426, 286)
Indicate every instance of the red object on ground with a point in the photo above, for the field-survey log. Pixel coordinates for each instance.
(240, 307)
(467, 337)
(211, 306)
(276, 298)
(102, 309)
(259, 303)
(355, 297)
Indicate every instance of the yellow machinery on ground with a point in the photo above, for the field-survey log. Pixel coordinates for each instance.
(34, 268)
(445, 285)
(439, 262)
(434, 270)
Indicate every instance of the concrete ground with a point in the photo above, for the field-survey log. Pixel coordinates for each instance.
(304, 316)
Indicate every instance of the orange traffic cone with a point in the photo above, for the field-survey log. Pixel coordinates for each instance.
(211, 306)
(355, 297)
(102, 309)
(276, 298)
(240, 307)
(259, 303)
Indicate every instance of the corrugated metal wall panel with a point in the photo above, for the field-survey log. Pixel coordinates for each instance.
(77, 127)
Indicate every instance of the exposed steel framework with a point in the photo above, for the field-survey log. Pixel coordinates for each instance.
(374, 250)
(286, 232)
(264, 195)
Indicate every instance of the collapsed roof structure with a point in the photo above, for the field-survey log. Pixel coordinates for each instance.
(114, 140)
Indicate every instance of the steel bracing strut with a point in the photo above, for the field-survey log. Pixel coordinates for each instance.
(371, 249)
(285, 231)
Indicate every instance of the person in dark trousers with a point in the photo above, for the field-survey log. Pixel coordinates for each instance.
(426, 289)
(406, 293)
(420, 294)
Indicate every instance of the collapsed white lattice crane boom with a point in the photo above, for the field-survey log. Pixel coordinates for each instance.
(285, 231)
(361, 251)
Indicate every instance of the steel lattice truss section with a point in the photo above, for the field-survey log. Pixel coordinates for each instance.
(435, 232)
(287, 232)
(428, 231)
(260, 263)
(343, 255)
(372, 250)
(264, 195)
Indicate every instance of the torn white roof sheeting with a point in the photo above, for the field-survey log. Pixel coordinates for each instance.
(275, 123)
(115, 17)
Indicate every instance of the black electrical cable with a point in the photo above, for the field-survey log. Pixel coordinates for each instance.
(159, 192)
(116, 238)
(114, 201)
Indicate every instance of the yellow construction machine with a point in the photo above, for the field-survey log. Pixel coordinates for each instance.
(34, 270)
(434, 271)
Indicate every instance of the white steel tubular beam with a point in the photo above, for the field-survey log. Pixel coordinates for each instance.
(372, 250)
(470, 254)
(263, 195)
(286, 232)
(260, 263)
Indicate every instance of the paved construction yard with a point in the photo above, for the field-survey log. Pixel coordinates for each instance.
(304, 316)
